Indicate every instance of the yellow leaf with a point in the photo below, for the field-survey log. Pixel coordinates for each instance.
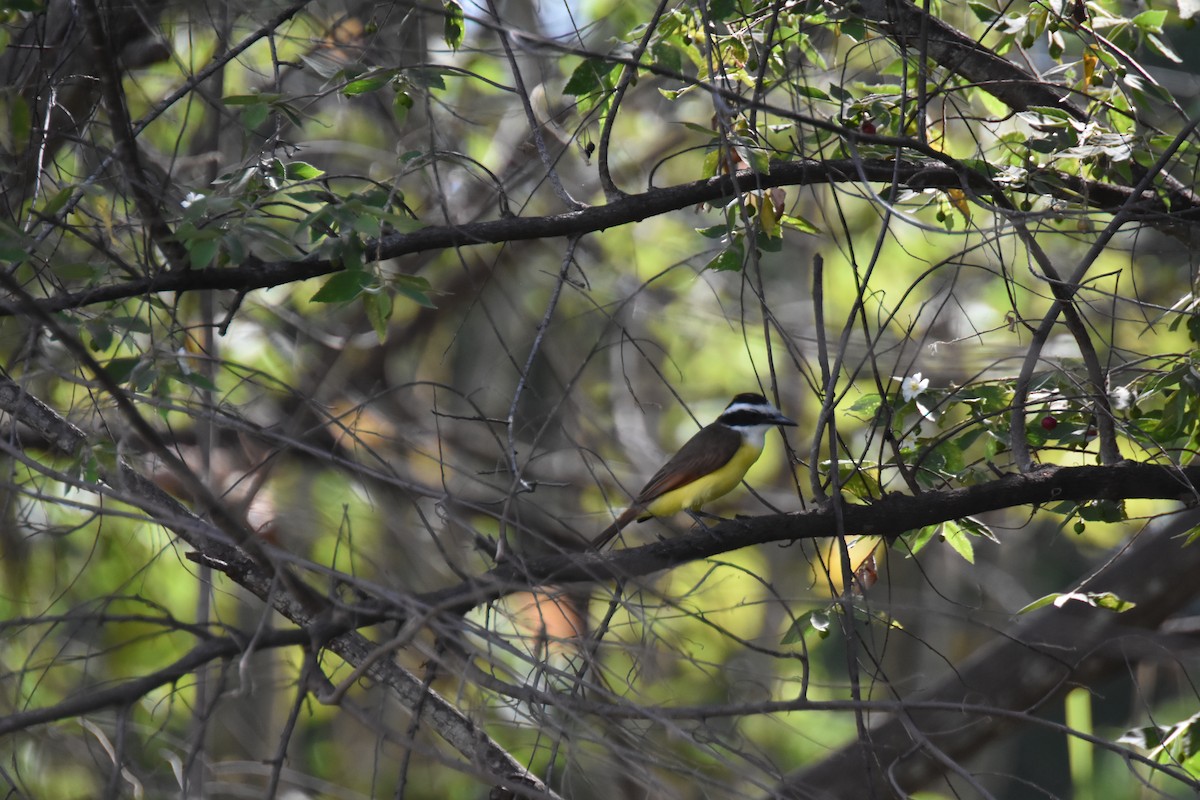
(958, 199)
(1089, 65)
(827, 571)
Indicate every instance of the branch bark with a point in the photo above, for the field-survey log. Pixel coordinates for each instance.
(915, 174)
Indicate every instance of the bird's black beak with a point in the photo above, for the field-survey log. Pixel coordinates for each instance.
(780, 419)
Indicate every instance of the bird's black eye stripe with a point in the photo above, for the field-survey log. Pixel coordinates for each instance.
(746, 417)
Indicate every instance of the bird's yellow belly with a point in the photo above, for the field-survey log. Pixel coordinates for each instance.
(709, 487)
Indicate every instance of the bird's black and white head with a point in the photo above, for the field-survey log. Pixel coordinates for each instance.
(752, 416)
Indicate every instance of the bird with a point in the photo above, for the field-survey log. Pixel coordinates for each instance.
(709, 465)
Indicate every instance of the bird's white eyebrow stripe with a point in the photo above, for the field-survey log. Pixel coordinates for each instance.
(753, 408)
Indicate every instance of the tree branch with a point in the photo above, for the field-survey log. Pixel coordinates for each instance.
(92, 699)
(915, 174)
(1053, 650)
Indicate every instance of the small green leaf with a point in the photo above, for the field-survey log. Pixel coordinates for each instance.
(370, 82)
(1111, 601)
(427, 78)
(1103, 511)
(817, 621)
(799, 224)
(57, 201)
(119, 370)
(721, 9)
(415, 288)
(1041, 602)
(728, 260)
(815, 92)
(1150, 21)
(342, 286)
(923, 536)
(401, 105)
(589, 77)
(866, 406)
(378, 306)
(202, 251)
(255, 115)
(454, 25)
(301, 171)
(983, 12)
(958, 540)
(667, 56)
(714, 231)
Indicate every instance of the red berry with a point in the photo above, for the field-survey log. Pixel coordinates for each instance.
(1049, 423)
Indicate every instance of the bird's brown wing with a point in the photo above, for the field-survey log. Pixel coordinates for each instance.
(703, 453)
(707, 451)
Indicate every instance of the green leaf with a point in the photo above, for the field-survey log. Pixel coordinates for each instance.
(817, 620)
(799, 224)
(1041, 602)
(977, 528)
(815, 92)
(119, 370)
(667, 56)
(1150, 21)
(343, 286)
(757, 157)
(589, 77)
(1103, 511)
(378, 306)
(57, 201)
(202, 250)
(1106, 600)
(956, 536)
(1163, 48)
(923, 536)
(401, 105)
(983, 12)
(728, 260)
(415, 288)
(454, 26)
(714, 231)
(1111, 601)
(721, 9)
(427, 78)
(301, 171)
(866, 407)
(370, 82)
(255, 115)
(100, 334)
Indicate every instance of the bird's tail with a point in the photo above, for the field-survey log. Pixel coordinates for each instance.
(627, 516)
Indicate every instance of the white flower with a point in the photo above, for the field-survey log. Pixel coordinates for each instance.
(192, 197)
(912, 386)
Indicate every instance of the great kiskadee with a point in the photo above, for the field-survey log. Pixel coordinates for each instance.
(711, 463)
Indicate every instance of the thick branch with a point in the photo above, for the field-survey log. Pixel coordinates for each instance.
(906, 23)
(915, 174)
(93, 699)
(889, 517)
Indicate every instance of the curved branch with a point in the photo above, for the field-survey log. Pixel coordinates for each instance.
(889, 517)
(93, 699)
(915, 174)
